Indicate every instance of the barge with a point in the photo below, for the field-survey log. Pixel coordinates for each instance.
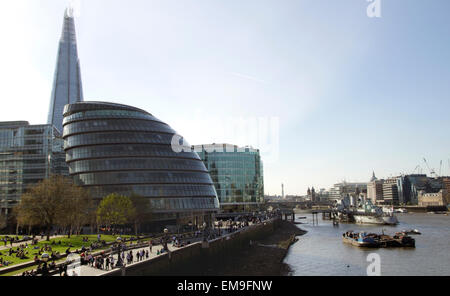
(373, 240)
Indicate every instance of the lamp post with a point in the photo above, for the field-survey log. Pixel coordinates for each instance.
(165, 239)
(119, 248)
(204, 231)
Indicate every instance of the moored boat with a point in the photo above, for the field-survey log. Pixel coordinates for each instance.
(411, 231)
(374, 240)
(359, 239)
(368, 213)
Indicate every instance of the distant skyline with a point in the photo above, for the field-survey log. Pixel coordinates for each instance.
(350, 94)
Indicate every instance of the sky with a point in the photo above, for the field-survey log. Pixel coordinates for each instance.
(325, 91)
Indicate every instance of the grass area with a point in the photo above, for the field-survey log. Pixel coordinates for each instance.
(74, 243)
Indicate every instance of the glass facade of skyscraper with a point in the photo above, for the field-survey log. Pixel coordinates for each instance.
(237, 174)
(67, 87)
(113, 148)
(28, 154)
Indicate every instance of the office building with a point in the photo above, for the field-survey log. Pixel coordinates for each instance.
(28, 154)
(237, 173)
(390, 192)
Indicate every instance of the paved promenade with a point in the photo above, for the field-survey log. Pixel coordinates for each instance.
(87, 270)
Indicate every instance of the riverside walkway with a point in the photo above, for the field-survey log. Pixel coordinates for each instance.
(87, 270)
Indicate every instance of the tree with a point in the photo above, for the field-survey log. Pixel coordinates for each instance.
(115, 209)
(55, 201)
(2, 221)
(75, 210)
(143, 211)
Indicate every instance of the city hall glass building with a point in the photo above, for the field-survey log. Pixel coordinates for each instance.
(113, 148)
(237, 173)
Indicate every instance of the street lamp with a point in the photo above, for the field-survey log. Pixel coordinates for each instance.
(119, 248)
(204, 231)
(165, 238)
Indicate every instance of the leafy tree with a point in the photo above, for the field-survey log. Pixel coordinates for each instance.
(115, 209)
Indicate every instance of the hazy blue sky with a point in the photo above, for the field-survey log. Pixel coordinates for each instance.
(351, 93)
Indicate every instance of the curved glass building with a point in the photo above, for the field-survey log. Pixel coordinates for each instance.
(113, 148)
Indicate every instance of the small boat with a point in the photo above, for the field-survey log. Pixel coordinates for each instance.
(401, 210)
(411, 231)
(359, 239)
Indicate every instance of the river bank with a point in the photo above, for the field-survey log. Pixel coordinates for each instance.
(260, 258)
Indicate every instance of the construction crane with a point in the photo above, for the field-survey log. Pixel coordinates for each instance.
(417, 167)
(440, 169)
(432, 172)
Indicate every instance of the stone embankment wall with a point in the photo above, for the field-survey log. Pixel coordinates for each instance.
(193, 255)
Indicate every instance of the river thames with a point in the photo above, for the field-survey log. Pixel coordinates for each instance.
(322, 252)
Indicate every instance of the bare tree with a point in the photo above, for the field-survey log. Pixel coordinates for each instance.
(53, 202)
(143, 213)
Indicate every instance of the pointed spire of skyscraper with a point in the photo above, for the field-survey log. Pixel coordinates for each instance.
(67, 87)
(373, 177)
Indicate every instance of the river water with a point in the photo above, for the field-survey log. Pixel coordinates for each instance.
(322, 252)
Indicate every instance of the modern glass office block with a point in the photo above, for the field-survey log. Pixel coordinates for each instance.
(28, 154)
(113, 148)
(237, 173)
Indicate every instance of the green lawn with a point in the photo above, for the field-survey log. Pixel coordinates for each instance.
(76, 242)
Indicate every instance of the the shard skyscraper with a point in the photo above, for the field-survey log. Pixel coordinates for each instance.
(67, 87)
